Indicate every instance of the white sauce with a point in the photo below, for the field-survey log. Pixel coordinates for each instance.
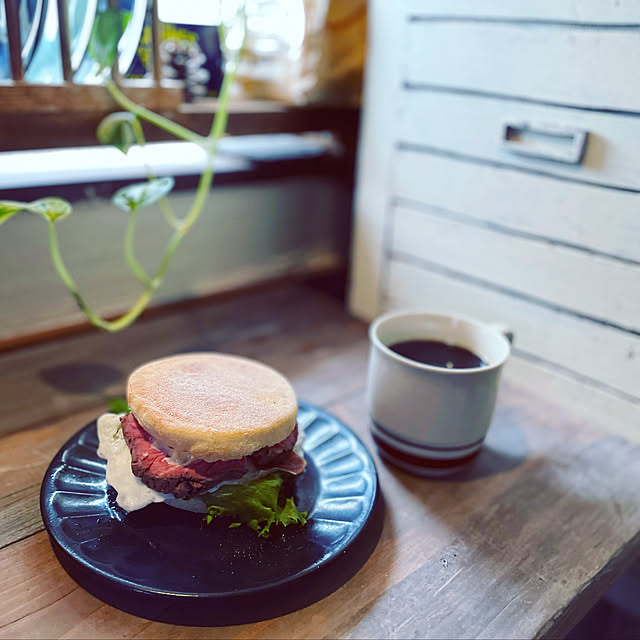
(132, 493)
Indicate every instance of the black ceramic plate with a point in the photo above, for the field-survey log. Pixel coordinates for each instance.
(162, 563)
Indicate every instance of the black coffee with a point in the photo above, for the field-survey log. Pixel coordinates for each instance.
(438, 354)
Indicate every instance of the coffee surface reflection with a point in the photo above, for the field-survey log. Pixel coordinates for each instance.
(438, 354)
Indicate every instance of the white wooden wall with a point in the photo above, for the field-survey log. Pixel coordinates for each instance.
(448, 218)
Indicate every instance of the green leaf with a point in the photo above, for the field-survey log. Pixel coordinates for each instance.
(50, 208)
(258, 505)
(118, 405)
(290, 514)
(142, 194)
(107, 30)
(8, 208)
(118, 130)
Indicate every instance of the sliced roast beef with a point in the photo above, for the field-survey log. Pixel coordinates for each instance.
(154, 468)
(290, 462)
(267, 456)
(157, 471)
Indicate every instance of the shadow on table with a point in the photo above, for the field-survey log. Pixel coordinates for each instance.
(505, 448)
(81, 377)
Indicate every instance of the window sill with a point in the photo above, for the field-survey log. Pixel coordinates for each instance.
(239, 156)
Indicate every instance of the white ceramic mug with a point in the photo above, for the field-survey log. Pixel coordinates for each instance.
(431, 419)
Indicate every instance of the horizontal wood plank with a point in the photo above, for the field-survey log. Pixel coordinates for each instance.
(81, 372)
(473, 126)
(561, 64)
(31, 581)
(544, 519)
(21, 515)
(421, 576)
(51, 129)
(587, 403)
(600, 11)
(26, 455)
(24, 97)
(604, 358)
(598, 220)
(555, 275)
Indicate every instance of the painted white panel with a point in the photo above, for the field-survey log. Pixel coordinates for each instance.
(603, 11)
(596, 286)
(556, 63)
(582, 66)
(572, 396)
(472, 125)
(598, 219)
(589, 349)
(375, 151)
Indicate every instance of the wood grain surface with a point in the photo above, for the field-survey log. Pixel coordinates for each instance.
(48, 128)
(490, 193)
(549, 64)
(610, 157)
(533, 265)
(45, 98)
(606, 359)
(603, 11)
(520, 544)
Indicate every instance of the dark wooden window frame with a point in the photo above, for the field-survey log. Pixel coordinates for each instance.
(46, 116)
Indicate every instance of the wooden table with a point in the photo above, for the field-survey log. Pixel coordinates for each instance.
(520, 545)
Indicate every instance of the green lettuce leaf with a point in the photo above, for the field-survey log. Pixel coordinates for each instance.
(118, 405)
(258, 504)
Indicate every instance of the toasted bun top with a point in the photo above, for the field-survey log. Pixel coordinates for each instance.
(212, 406)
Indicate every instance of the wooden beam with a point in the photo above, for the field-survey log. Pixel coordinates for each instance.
(156, 38)
(13, 33)
(47, 125)
(43, 99)
(65, 40)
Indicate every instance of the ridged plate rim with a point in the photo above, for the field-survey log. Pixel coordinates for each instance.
(356, 447)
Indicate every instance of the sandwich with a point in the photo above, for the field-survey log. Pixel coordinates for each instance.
(206, 432)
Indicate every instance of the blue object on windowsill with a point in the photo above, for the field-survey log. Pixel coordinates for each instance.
(41, 37)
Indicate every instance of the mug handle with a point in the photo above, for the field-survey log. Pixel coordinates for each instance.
(504, 329)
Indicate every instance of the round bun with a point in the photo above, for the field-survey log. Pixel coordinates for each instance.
(212, 406)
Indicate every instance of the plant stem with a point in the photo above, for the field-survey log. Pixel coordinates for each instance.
(209, 143)
(132, 261)
(108, 325)
(163, 203)
(217, 129)
(65, 276)
(167, 210)
(128, 318)
(154, 118)
(219, 124)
